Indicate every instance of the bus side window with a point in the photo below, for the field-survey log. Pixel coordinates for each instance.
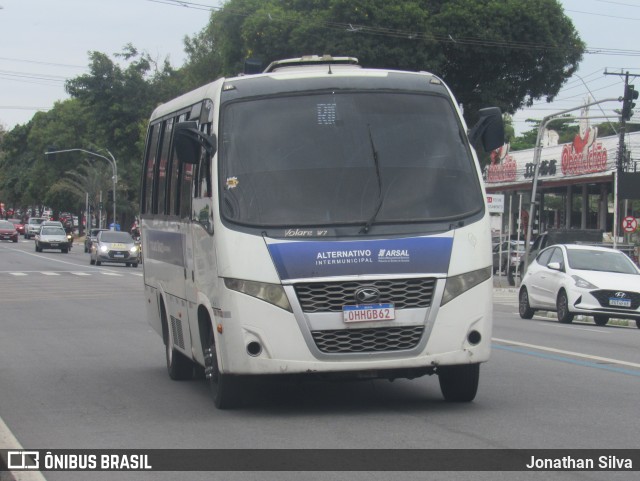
(163, 168)
(186, 189)
(205, 176)
(202, 202)
(175, 185)
(149, 169)
(204, 169)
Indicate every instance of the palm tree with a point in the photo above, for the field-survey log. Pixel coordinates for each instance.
(88, 178)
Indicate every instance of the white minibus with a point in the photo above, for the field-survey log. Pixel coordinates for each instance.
(319, 219)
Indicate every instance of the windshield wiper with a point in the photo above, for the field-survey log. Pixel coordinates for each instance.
(367, 226)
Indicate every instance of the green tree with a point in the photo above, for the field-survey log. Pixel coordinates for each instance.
(505, 54)
(119, 100)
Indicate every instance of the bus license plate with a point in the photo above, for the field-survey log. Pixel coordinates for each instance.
(619, 302)
(368, 313)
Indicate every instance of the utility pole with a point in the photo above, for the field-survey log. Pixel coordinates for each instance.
(630, 94)
(536, 161)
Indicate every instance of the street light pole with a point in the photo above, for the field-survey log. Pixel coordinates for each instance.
(536, 161)
(114, 168)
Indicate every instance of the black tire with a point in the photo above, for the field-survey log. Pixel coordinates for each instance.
(98, 263)
(64, 250)
(562, 307)
(135, 264)
(524, 308)
(127, 264)
(638, 323)
(178, 366)
(15, 240)
(459, 383)
(601, 320)
(226, 390)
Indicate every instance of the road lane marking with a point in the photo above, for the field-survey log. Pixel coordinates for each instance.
(556, 354)
(599, 331)
(9, 442)
(48, 258)
(74, 273)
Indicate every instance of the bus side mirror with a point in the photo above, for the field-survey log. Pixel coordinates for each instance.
(188, 141)
(489, 129)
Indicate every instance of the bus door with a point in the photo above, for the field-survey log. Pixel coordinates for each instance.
(200, 259)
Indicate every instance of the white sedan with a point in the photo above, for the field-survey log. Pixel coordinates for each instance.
(577, 279)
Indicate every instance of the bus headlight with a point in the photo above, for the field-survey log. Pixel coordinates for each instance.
(458, 284)
(271, 293)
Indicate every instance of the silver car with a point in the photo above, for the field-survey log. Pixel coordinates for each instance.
(32, 227)
(114, 247)
(52, 237)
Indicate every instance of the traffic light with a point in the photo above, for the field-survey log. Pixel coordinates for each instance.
(110, 195)
(630, 94)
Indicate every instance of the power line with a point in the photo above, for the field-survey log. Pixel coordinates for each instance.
(52, 78)
(619, 3)
(43, 63)
(602, 15)
(395, 33)
(19, 107)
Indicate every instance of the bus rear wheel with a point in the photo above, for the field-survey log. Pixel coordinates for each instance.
(225, 389)
(459, 383)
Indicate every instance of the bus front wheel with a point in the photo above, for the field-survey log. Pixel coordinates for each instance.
(459, 383)
(225, 388)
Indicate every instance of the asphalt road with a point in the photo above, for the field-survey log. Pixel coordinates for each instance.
(81, 368)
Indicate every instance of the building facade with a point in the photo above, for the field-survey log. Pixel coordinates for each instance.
(576, 182)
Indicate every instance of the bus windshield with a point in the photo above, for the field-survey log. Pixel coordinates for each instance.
(345, 158)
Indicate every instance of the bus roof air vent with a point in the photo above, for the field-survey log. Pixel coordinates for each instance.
(311, 60)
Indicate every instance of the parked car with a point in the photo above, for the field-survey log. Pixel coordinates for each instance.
(32, 226)
(575, 279)
(91, 238)
(514, 250)
(114, 246)
(18, 224)
(52, 237)
(8, 231)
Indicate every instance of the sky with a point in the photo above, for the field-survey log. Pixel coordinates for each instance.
(45, 42)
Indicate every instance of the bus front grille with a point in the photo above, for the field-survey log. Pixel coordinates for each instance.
(331, 296)
(338, 341)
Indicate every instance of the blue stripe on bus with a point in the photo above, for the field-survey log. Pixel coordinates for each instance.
(415, 255)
